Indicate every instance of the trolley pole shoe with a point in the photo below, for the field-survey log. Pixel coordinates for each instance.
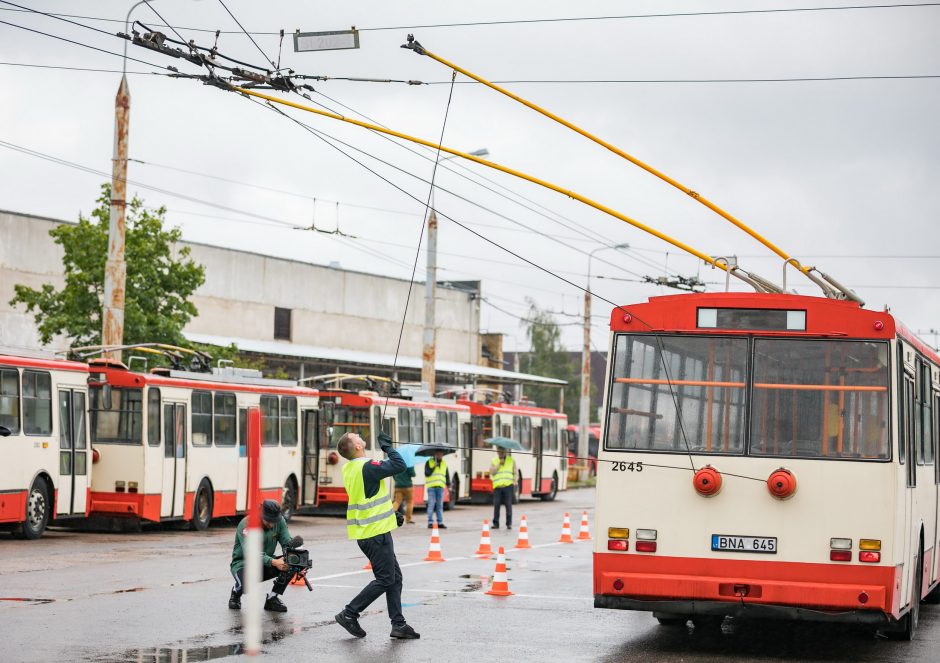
(485, 549)
(566, 531)
(523, 541)
(434, 550)
(584, 533)
(500, 586)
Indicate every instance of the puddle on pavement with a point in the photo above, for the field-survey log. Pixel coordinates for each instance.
(26, 600)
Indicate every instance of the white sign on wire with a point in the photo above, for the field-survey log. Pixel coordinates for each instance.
(326, 41)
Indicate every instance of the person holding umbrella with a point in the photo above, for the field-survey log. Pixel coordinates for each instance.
(436, 476)
(503, 475)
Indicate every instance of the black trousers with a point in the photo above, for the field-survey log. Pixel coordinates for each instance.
(268, 572)
(502, 495)
(388, 579)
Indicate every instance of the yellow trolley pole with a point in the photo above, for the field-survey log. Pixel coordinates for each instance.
(515, 173)
(420, 50)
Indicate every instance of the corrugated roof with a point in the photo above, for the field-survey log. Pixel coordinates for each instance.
(371, 358)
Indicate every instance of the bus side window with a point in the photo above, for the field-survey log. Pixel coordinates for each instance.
(201, 412)
(404, 425)
(288, 421)
(37, 403)
(269, 420)
(10, 399)
(243, 432)
(153, 417)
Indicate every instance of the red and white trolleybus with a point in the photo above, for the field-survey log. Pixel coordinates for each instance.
(768, 455)
(44, 464)
(172, 445)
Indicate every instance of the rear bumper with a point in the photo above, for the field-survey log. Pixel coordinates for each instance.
(737, 609)
(729, 586)
(134, 505)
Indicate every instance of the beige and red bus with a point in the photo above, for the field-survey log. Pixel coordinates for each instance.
(172, 445)
(768, 456)
(44, 452)
(541, 465)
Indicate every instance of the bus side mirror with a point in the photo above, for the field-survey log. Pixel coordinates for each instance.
(5, 432)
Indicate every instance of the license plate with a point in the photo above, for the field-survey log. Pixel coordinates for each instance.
(750, 544)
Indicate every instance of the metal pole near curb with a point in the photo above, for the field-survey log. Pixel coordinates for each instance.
(253, 536)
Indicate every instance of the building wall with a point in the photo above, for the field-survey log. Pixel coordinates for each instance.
(330, 307)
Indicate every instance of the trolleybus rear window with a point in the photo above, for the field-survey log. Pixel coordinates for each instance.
(121, 420)
(820, 399)
(655, 377)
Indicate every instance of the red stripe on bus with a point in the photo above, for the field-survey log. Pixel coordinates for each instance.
(798, 584)
(13, 506)
(50, 364)
(144, 506)
(223, 503)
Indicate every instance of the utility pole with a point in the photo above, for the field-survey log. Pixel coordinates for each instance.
(115, 270)
(429, 339)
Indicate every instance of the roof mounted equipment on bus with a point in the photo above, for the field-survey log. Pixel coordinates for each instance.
(200, 362)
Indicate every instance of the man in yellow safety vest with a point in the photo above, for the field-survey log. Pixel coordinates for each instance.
(370, 520)
(436, 476)
(503, 475)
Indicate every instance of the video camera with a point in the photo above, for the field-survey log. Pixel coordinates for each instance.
(297, 560)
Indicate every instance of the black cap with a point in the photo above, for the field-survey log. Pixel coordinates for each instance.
(270, 511)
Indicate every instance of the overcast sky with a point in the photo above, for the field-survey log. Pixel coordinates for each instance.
(842, 174)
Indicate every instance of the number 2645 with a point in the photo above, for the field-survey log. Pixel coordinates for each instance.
(628, 467)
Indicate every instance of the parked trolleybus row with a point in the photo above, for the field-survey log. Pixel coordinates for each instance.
(768, 456)
(84, 440)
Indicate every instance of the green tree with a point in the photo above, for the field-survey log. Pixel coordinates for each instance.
(548, 358)
(160, 279)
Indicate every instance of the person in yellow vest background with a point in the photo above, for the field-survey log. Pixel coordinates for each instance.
(503, 475)
(436, 476)
(370, 520)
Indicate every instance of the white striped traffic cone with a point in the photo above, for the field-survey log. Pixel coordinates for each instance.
(500, 586)
(485, 549)
(434, 550)
(584, 534)
(523, 541)
(566, 531)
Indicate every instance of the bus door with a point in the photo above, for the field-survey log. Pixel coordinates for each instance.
(174, 460)
(73, 453)
(539, 444)
(241, 484)
(910, 452)
(311, 423)
(465, 453)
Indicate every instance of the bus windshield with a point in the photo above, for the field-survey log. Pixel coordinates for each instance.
(655, 377)
(820, 399)
(807, 398)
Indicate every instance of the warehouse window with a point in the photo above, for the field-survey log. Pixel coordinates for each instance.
(282, 323)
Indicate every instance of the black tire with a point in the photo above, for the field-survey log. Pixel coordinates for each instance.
(517, 490)
(670, 619)
(906, 629)
(289, 499)
(454, 492)
(38, 512)
(933, 597)
(553, 493)
(202, 507)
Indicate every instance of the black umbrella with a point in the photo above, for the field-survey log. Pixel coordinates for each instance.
(429, 449)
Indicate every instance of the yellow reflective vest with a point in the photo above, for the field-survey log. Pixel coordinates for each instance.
(503, 474)
(366, 517)
(438, 476)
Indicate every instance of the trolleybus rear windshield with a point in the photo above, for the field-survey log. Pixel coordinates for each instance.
(806, 397)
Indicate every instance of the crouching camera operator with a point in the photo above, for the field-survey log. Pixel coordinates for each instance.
(275, 532)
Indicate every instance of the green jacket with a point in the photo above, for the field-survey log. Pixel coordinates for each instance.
(270, 539)
(404, 479)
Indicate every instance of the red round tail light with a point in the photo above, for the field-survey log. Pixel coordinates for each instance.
(95, 455)
(781, 483)
(707, 481)
(618, 584)
(333, 458)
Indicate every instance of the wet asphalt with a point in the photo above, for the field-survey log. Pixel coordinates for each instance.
(161, 595)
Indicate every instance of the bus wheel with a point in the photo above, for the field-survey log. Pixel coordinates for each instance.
(907, 627)
(454, 492)
(553, 493)
(202, 507)
(289, 499)
(670, 619)
(37, 512)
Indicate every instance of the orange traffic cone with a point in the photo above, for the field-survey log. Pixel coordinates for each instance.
(500, 586)
(367, 567)
(434, 550)
(566, 531)
(485, 550)
(584, 534)
(523, 541)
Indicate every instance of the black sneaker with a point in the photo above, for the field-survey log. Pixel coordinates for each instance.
(430, 526)
(351, 624)
(235, 601)
(274, 604)
(508, 526)
(442, 526)
(404, 633)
